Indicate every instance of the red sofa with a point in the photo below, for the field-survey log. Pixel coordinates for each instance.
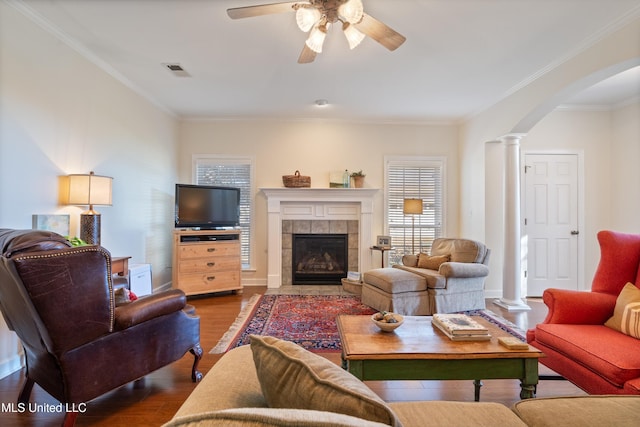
(573, 337)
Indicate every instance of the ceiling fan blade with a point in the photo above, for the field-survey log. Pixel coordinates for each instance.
(307, 55)
(262, 9)
(380, 32)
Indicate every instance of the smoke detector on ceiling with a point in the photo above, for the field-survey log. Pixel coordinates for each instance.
(176, 69)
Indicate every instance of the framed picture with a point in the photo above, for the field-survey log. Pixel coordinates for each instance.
(56, 223)
(384, 241)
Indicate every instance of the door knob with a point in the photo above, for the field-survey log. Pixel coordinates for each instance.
(574, 232)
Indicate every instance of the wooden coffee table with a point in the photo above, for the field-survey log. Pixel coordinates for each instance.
(417, 350)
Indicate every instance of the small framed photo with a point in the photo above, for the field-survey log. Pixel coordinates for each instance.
(384, 241)
(56, 223)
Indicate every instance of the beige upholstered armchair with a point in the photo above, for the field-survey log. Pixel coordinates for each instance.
(449, 279)
(456, 284)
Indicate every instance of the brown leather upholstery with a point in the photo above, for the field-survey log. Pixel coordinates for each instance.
(78, 345)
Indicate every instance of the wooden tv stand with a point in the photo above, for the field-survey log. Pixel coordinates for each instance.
(206, 261)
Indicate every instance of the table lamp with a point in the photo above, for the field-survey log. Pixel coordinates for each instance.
(412, 207)
(91, 189)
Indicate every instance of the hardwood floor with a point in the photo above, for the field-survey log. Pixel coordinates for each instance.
(168, 387)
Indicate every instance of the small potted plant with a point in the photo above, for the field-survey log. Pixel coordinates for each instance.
(358, 179)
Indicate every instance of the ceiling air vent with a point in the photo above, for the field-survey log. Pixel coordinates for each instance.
(176, 69)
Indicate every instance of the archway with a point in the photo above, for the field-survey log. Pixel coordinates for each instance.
(517, 114)
(514, 244)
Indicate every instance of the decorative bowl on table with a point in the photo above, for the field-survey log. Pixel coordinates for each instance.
(386, 321)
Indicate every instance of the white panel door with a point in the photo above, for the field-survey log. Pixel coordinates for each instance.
(550, 222)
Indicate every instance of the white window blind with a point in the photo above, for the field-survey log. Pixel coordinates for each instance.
(231, 172)
(414, 178)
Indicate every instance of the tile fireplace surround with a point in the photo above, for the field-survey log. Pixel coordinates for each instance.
(332, 205)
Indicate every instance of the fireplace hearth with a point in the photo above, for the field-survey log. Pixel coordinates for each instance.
(319, 258)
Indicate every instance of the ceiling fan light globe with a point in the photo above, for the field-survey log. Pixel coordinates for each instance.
(353, 36)
(316, 39)
(306, 18)
(351, 11)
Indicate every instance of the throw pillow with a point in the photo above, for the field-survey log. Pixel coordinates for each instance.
(626, 314)
(432, 262)
(410, 260)
(292, 377)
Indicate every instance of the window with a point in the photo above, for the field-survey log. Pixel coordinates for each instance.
(413, 178)
(231, 172)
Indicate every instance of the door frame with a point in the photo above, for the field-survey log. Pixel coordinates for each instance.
(582, 286)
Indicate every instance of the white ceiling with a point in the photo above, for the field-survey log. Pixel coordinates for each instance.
(460, 57)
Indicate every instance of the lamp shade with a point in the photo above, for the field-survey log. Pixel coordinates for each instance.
(91, 189)
(354, 37)
(316, 38)
(351, 11)
(307, 17)
(412, 206)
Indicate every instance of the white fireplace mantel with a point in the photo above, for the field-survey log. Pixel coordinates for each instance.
(317, 204)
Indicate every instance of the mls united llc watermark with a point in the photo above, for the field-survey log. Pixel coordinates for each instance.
(32, 407)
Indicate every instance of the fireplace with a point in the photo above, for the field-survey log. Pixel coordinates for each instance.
(317, 211)
(319, 258)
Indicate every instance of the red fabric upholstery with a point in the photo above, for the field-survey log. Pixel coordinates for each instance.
(573, 337)
(586, 345)
(578, 308)
(583, 376)
(619, 260)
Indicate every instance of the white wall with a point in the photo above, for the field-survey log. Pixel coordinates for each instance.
(590, 134)
(609, 144)
(481, 204)
(316, 149)
(61, 114)
(625, 174)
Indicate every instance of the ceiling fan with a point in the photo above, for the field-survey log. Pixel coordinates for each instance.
(316, 16)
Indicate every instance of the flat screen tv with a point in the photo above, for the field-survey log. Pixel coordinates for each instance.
(207, 207)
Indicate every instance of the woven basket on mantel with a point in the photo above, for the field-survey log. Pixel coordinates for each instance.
(296, 180)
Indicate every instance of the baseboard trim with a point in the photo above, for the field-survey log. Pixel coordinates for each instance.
(11, 365)
(254, 282)
(163, 287)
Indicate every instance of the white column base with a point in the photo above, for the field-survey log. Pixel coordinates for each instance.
(274, 281)
(512, 305)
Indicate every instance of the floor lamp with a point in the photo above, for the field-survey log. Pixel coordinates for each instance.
(89, 190)
(412, 207)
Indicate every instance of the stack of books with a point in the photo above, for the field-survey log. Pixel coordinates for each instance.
(460, 327)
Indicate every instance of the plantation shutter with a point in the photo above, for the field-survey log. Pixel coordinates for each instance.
(231, 172)
(413, 178)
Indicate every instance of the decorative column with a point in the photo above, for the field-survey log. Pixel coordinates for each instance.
(511, 269)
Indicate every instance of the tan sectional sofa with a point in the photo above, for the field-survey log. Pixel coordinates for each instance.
(231, 394)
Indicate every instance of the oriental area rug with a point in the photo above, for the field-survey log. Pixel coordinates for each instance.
(309, 320)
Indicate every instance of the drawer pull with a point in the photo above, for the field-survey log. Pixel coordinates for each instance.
(211, 249)
(210, 278)
(211, 264)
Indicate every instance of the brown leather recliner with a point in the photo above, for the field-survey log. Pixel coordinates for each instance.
(60, 302)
